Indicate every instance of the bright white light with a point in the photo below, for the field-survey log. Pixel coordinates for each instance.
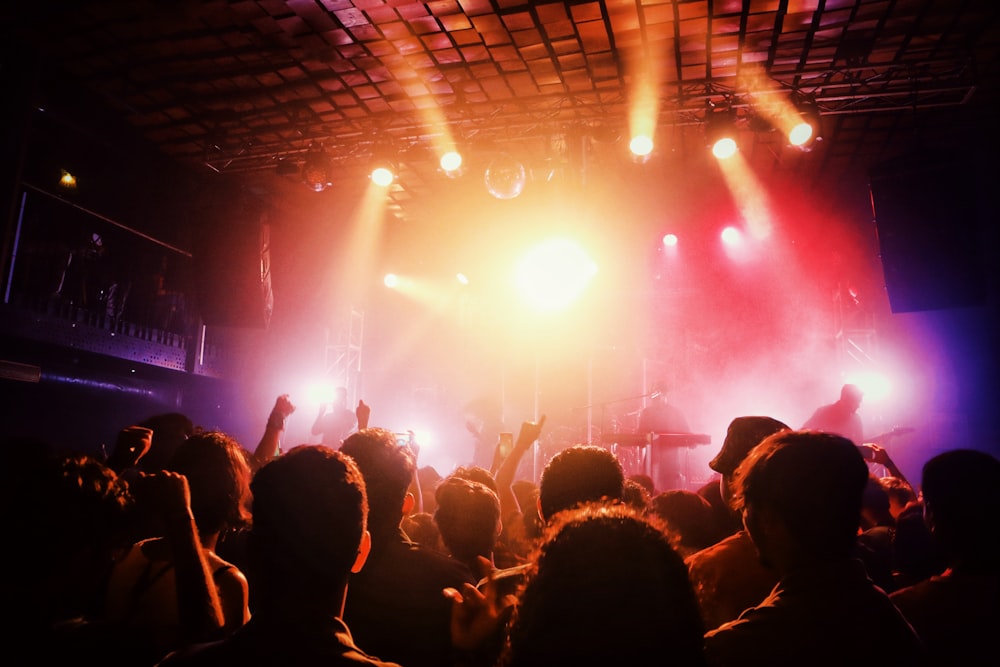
(670, 240)
(641, 145)
(451, 162)
(731, 236)
(724, 148)
(424, 439)
(800, 134)
(391, 280)
(553, 274)
(462, 278)
(382, 177)
(874, 385)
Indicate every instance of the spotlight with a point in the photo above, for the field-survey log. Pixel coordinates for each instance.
(731, 236)
(720, 131)
(641, 146)
(462, 278)
(451, 163)
(805, 130)
(670, 240)
(67, 180)
(391, 280)
(383, 174)
(316, 171)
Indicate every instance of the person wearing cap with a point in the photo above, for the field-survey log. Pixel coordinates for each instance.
(727, 576)
(840, 417)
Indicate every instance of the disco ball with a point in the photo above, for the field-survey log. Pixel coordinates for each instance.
(505, 177)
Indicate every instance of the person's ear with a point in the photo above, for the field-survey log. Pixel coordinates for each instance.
(408, 502)
(363, 550)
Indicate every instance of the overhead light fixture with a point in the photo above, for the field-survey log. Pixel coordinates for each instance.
(383, 174)
(317, 170)
(641, 146)
(805, 130)
(451, 163)
(67, 180)
(720, 131)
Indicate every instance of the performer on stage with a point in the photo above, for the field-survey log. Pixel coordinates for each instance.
(660, 416)
(840, 417)
(335, 420)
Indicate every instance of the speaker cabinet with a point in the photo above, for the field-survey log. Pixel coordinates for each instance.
(927, 218)
(234, 273)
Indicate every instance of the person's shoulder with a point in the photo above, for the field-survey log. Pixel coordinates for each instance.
(433, 561)
(198, 655)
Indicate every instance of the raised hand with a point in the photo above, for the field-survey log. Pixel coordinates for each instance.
(478, 614)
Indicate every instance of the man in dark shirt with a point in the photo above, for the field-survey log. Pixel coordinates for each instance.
(308, 534)
(396, 607)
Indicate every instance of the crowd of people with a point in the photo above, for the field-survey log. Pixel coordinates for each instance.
(185, 548)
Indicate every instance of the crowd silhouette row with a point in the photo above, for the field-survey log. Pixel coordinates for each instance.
(186, 548)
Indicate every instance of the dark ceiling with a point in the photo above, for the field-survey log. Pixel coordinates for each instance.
(249, 87)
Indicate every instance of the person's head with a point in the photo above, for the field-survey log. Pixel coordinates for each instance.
(962, 506)
(468, 517)
(900, 494)
(219, 478)
(309, 523)
(687, 517)
(851, 395)
(388, 470)
(636, 495)
(605, 587)
(743, 434)
(75, 519)
(800, 493)
(579, 474)
(659, 390)
(875, 505)
(477, 474)
(340, 396)
(421, 528)
(645, 481)
(169, 431)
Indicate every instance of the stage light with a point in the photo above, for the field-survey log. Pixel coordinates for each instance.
(805, 127)
(800, 134)
(670, 240)
(316, 172)
(462, 278)
(383, 175)
(641, 146)
(505, 177)
(391, 280)
(67, 180)
(731, 236)
(451, 163)
(553, 274)
(875, 385)
(720, 131)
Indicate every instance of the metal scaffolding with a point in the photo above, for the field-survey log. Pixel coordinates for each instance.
(343, 352)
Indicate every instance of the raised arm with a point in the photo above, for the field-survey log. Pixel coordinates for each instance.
(270, 443)
(508, 467)
(167, 495)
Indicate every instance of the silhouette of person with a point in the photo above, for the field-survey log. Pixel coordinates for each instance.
(335, 420)
(840, 417)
